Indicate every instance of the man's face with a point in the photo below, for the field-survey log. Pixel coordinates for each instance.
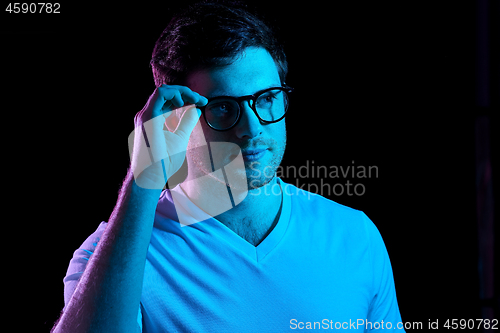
(255, 70)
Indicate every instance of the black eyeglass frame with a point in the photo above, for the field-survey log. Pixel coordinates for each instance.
(253, 99)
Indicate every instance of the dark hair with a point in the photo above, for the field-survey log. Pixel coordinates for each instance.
(208, 35)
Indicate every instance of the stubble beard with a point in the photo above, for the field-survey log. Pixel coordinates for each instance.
(256, 173)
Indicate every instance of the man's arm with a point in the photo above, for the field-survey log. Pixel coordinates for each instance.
(108, 294)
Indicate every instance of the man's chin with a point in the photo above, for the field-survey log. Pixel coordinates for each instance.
(246, 180)
(238, 175)
(257, 184)
(242, 180)
(257, 179)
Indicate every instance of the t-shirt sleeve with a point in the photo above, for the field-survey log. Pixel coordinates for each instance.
(384, 305)
(79, 262)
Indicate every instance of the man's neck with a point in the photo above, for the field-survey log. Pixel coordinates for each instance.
(254, 215)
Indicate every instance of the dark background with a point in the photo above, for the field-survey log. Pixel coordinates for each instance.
(394, 85)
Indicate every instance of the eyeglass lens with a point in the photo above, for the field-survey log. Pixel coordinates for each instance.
(222, 113)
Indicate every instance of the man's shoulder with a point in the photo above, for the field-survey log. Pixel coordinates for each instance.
(317, 202)
(328, 212)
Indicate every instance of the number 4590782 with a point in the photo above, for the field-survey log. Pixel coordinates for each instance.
(33, 8)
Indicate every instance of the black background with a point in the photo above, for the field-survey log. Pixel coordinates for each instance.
(389, 84)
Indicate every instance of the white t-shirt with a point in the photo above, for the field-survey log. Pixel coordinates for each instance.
(323, 266)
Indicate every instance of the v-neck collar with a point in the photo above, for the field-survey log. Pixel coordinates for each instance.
(191, 216)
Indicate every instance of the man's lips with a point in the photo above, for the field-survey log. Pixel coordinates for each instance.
(252, 151)
(253, 154)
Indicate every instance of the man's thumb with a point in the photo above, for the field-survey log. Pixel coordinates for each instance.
(187, 123)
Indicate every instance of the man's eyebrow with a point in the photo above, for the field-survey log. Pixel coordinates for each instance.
(223, 94)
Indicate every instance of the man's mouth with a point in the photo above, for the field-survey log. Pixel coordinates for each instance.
(250, 155)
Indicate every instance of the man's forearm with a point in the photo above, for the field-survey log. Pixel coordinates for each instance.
(108, 295)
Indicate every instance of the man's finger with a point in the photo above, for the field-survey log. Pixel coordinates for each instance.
(187, 123)
(166, 98)
(170, 97)
(190, 97)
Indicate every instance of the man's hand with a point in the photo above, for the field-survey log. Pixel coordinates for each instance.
(108, 294)
(152, 163)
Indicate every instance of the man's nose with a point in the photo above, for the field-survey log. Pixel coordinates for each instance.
(249, 125)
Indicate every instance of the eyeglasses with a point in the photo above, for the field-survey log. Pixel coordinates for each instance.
(269, 105)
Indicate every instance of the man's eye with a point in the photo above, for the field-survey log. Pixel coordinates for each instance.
(267, 99)
(271, 96)
(221, 108)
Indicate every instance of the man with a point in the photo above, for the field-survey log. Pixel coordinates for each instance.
(232, 248)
